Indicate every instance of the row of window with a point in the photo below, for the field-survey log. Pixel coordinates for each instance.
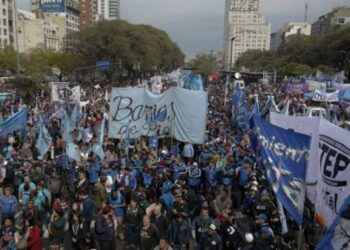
(3, 31)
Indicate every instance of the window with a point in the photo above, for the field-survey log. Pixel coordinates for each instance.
(341, 20)
(5, 32)
(4, 12)
(4, 21)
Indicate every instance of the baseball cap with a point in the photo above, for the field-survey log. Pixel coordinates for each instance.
(266, 230)
(212, 227)
(262, 217)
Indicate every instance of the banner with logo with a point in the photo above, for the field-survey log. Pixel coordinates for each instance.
(307, 126)
(334, 170)
(178, 112)
(61, 92)
(52, 5)
(295, 88)
(284, 155)
(323, 96)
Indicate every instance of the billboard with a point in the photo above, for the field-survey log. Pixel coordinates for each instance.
(52, 5)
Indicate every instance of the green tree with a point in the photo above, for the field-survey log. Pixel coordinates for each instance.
(204, 64)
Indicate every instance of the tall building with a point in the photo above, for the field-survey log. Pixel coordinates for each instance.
(36, 33)
(88, 12)
(108, 9)
(6, 23)
(67, 18)
(291, 28)
(245, 23)
(337, 19)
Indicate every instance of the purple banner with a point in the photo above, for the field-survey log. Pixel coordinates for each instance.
(295, 88)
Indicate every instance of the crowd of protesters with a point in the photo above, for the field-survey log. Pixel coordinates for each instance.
(173, 195)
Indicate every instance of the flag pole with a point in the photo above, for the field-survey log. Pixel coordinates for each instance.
(300, 237)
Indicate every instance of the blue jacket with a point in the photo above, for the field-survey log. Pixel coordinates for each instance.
(179, 232)
(169, 199)
(8, 204)
(194, 177)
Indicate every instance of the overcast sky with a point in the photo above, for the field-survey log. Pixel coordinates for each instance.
(197, 25)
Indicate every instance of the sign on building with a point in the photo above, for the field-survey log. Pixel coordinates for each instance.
(52, 5)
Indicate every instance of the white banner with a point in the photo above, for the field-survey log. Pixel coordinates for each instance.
(308, 126)
(334, 171)
(178, 112)
(313, 85)
(61, 92)
(322, 96)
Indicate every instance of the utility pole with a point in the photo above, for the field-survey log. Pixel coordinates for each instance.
(306, 11)
(229, 76)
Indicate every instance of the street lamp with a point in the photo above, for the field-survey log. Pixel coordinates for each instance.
(228, 78)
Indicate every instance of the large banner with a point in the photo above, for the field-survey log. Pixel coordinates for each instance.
(178, 112)
(307, 126)
(334, 171)
(285, 155)
(62, 93)
(323, 96)
(52, 5)
(295, 88)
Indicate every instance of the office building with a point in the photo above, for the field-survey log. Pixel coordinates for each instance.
(337, 19)
(245, 23)
(108, 9)
(36, 33)
(289, 29)
(6, 23)
(88, 12)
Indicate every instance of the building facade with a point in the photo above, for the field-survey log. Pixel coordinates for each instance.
(289, 29)
(68, 21)
(337, 19)
(6, 23)
(88, 12)
(246, 26)
(36, 33)
(108, 9)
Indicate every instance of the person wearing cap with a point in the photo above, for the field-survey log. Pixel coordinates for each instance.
(265, 239)
(260, 221)
(264, 205)
(214, 241)
(178, 169)
(227, 175)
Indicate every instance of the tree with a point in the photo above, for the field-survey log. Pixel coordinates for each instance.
(204, 64)
(298, 51)
(142, 45)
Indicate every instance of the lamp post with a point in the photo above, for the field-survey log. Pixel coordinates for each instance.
(16, 36)
(228, 79)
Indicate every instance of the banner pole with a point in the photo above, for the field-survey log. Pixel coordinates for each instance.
(300, 237)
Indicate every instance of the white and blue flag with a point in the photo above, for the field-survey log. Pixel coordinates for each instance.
(44, 140)
(337, 236)
(285, 156)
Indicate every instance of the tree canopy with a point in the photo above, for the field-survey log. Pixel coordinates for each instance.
(300, 54)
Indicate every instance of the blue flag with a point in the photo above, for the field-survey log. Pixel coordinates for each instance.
(240, 109)
(65, 128)
(15, 122)
(44, 140)
(338, 234)
(284, 155)
(73, 152)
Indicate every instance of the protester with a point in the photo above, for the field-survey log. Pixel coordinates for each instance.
(145, 193)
